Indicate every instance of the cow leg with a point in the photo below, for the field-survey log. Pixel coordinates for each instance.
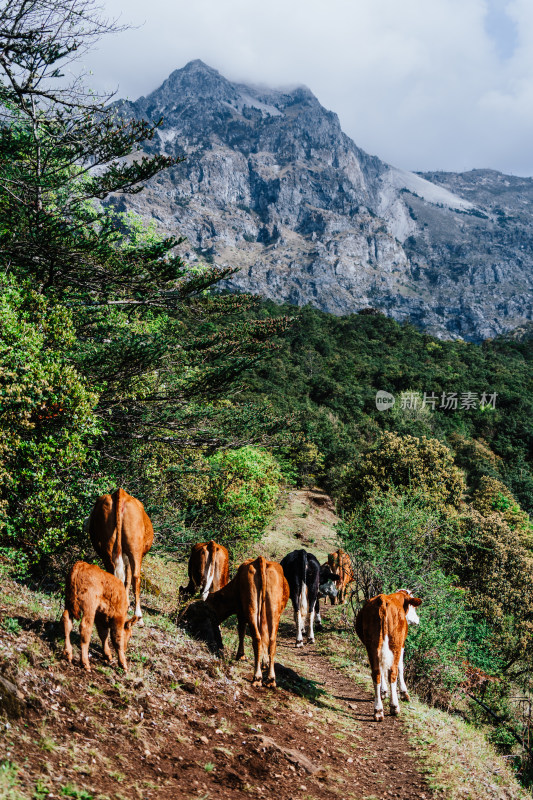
(404, 694)
(376, 678)
(103, 633)
(117, 635)
(393, 680)
(256, 642)
(67, 625)
(272, 643)
(298, 620)
(127, 578)
(86, 628)
(135, 566)
(384, 688)
(311, 633)
(241, 627)
(317, 613)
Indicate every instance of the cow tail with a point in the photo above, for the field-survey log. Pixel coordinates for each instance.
(72, 604)
(262, 610)
(210, 572)
(119, 499)
(303, 591)
(386, 656)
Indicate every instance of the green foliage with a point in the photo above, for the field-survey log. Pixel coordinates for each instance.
(399, 542)
(496, 568)
(328, 369)
(415, 466)
(9, 782)
(47, 426)
(493, 497)
(11, 625)
(236, 494)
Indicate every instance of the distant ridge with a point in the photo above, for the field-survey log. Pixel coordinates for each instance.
(272, 185)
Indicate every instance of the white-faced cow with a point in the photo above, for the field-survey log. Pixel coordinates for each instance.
(381, 624)
(208, 569)
(122, 534)
(302, 571)
(96, 597)
(257, 595)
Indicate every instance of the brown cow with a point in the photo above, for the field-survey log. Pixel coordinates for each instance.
(97, 596)
(340, 563)
(257, 594)
(208, 569)
(122, 534)
(381, 624)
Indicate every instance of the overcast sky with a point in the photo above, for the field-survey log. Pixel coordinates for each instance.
(423, 84)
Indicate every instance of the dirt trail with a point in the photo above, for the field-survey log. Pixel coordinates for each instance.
(384, 764)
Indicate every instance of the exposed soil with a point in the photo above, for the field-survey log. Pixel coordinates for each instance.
(185, 724)
(198, 729)
(383, 763)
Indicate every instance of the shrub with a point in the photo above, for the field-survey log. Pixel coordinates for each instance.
(496, 569)
(399, 542)
(47, 426)
(235, 494)
(424, 467)
(493, 497)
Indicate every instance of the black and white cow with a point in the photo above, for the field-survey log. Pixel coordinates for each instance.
(326, 588)
(302, 571)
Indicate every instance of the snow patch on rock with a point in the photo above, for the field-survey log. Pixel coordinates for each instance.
(398, 179)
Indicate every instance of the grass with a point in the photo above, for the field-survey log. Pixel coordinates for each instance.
(298, 523)
(9, 781)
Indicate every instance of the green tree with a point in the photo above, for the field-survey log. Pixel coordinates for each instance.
(409, 464)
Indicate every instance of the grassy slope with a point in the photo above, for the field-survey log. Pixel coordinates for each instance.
(185, 724)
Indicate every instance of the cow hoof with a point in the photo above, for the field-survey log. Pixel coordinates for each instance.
(299, 644)
(378, 716)
(405, 696)
(271, 683)
(257, 682)
(394, 711)
(310, 641)
(140, 623)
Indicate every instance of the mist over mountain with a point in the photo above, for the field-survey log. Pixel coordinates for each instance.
(273, 186)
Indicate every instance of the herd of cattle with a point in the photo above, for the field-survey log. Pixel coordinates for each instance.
(122, 534)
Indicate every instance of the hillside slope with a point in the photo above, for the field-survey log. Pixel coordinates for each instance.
(185, 724)
(273, 186)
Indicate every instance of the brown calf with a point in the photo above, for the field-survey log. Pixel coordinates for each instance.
(341, 564)
(96, 597)
(257, 595)
(208, 569)
(381, 624)
(122, 534)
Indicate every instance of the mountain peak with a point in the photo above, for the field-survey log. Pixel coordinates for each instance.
(197, 65)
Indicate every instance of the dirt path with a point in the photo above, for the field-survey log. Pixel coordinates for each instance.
(383, 764)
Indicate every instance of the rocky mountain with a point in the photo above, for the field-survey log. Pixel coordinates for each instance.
(272, 185)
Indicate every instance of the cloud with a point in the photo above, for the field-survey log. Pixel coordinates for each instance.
(441, 85)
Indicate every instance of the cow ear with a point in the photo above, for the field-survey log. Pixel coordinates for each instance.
(130, 622)
(415, 601)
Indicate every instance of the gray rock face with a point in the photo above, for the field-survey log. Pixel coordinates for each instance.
(273, 186)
